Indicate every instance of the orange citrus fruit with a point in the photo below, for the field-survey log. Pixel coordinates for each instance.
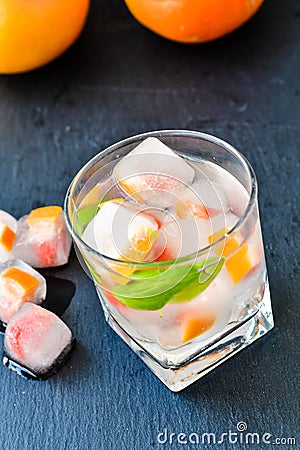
(192, 21)
(34, 32)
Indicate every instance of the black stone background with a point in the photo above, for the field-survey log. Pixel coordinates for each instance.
(120, 79)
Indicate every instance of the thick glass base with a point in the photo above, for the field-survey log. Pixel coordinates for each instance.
(179, 377)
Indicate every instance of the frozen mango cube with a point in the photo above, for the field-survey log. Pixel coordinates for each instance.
(42, 239)
(46, 213)
(7, 237)
(19, 283)
(228, 245)
(239, 264)
(196, 326)
(8, 228)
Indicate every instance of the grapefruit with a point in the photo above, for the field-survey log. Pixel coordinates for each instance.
(192, 21)
(34, 32)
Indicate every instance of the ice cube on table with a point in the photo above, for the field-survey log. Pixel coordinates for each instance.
(153, 173)
(19, 283)
(121, 231)
(42, 238)
(38, 340)
(8, 228)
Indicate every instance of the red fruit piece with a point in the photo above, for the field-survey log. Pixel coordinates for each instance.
(114, 301)
(15, 340)
(47, 253)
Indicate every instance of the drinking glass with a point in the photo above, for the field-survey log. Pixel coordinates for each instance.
(182, 317)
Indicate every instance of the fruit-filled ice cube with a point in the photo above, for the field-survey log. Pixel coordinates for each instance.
(42, 239)
(203, 199)
(184, 237)
(153, 173)
(19, 283)
(121, 231)
(8, 228)
(38, 340)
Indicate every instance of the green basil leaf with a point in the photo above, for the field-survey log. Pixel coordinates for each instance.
(93, 272)
(206, 276)
(153, 289)
(85, 215)
(144, 274)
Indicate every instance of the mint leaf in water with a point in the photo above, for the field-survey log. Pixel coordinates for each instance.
(83, 218)
(93, 272)
(205, 277)
(153, 289)
(85, 215)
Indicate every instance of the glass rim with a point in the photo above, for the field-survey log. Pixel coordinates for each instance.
(161, 133)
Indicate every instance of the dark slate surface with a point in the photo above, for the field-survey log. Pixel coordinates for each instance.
(120, 79)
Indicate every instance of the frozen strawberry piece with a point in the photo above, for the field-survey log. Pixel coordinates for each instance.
(115, 302)
(37, 339)
(47, 252)
(204, 199)
(19, 283)
(42, 238)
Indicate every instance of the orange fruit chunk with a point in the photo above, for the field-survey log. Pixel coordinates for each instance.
(143, 240)
(7, 238)
(217, 235)
(196, 326)
(131, 191)
(239, 264)
(46, 213)
(229, 245)
(192, 21)
(33, 33)
(17, 281)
